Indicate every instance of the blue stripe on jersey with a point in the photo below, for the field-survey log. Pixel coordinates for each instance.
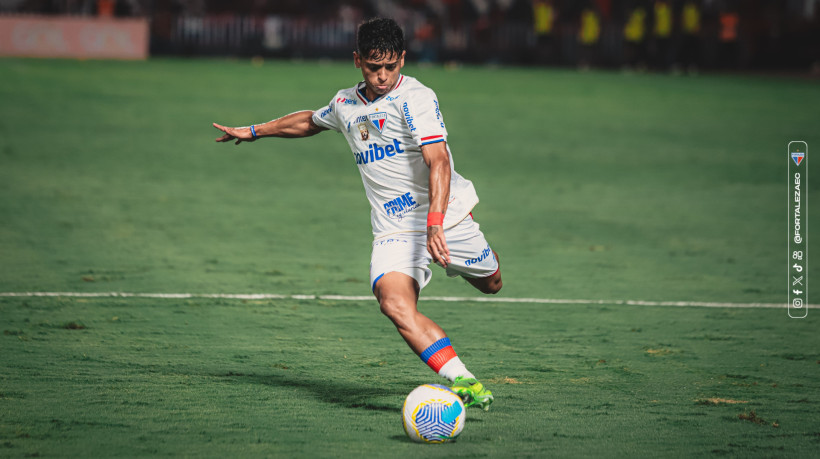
(433, 141)
(435, 347)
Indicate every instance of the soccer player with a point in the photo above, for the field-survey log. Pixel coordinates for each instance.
(420, 206)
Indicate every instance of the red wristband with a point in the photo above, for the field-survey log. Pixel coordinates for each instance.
(435, 219)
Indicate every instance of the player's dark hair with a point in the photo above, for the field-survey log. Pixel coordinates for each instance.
(379, 38)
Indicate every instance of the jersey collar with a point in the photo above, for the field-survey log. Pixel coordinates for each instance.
(361, 87)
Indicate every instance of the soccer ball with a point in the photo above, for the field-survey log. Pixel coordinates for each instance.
(433, 413)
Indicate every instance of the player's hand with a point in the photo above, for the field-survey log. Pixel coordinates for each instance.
(437, 245)
(241, 134)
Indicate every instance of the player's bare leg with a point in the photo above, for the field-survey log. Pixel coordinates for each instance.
(398, 296)
(489, 285)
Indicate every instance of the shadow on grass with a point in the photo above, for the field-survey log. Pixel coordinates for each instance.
(401, 439)
(347, 394)
(343, 393)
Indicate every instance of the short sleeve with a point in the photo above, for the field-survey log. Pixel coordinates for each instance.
(326, 117)
(423, 117)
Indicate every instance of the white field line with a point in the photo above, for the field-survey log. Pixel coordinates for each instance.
(486, 299)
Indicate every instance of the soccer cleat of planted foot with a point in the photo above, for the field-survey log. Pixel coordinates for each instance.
(472, 392)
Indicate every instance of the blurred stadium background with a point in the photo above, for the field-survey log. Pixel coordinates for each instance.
(673, 35)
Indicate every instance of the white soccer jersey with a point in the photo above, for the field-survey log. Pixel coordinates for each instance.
(386, 135)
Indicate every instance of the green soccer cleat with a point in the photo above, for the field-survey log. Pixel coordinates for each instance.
(472, 392)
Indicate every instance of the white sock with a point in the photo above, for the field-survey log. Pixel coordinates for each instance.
(453, 369)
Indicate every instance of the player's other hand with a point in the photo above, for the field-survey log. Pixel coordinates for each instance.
(437, 245)
(240, 134)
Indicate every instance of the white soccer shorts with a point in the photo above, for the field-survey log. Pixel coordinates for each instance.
(470, 254)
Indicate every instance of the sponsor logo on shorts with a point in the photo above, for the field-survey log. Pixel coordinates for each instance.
(484, 254)
(378, 153)
(388, 241)
(399, 207)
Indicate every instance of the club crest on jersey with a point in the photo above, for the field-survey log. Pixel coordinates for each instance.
(797, 157)
(378, 119)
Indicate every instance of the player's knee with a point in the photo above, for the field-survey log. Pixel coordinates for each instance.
(487, 285)
(396, 308)
(492, 287)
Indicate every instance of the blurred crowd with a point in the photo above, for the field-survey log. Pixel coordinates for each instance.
(674, 35)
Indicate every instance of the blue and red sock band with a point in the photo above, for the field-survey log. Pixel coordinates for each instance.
(438, 354)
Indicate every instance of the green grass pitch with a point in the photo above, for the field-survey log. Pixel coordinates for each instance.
(597, 186)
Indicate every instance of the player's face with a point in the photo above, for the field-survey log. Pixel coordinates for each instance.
(379, 75)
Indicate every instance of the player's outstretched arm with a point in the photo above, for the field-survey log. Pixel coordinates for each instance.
(298, 124)
(438, 160)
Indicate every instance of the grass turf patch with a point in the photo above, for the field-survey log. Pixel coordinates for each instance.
(301, 378)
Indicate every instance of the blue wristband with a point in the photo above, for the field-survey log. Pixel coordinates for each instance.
(253, 131)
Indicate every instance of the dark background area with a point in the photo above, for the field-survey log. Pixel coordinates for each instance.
(659, 35)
